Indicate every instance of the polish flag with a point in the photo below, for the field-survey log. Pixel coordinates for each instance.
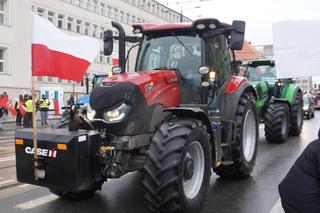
(59, 55)
(4, 101)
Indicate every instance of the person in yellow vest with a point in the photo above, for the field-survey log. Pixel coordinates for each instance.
(44, 108)
(29, 110)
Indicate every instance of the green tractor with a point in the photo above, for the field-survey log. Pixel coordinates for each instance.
(279, 101)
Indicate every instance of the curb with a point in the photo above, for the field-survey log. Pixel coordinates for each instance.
(9, 185)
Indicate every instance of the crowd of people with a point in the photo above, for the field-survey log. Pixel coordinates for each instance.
(23, 109)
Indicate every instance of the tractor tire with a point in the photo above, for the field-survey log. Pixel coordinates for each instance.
(244, 150)
(276, 124)
(309, 115)
(296, 116)
(80, 195)
(177, 169)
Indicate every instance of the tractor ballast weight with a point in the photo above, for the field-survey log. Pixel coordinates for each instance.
(181, 113)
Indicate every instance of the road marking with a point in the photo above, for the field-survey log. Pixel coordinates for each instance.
(24, 185)
(7, 159)
(7, 141)
(36, 202)
(7, 181)
(277, 208)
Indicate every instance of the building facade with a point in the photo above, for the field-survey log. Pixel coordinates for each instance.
(74, 17)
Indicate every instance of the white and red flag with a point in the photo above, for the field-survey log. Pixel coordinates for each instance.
(59, 55)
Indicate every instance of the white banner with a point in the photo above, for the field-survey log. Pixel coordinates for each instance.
(297, 48)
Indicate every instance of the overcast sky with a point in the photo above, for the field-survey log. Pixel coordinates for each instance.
(258, 14)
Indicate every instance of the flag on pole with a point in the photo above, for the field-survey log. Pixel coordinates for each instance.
(12, 110)
(4, 101)
(22, 108)
(59, 55)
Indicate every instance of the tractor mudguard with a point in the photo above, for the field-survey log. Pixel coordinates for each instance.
(199, 114)
(229, 100)
(291, 92)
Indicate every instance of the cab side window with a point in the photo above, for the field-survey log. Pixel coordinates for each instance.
(218, 60)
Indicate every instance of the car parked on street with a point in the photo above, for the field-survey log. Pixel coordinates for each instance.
(308, 107)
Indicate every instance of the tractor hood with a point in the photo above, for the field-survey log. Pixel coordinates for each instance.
(142, 88)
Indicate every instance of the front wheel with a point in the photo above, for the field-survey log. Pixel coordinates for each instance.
(177, 169)
(244, 150)
(276, 125)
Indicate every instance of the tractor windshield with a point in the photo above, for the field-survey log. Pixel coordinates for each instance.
(262, 73)
(180, 52)
(171, 52)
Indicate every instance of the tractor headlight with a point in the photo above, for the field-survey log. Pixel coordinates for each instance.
(305, 107)
(90, 112)
(116, 114)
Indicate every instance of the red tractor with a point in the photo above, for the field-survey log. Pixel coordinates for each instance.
(181, 113)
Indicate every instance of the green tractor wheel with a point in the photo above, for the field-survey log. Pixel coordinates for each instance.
(277, 122)
(296, 116)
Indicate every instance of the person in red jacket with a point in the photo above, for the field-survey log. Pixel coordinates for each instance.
(300, 189)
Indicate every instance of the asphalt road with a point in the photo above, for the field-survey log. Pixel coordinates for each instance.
(257, 194)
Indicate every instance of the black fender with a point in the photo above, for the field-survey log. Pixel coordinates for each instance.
(229, 101)
(198, 114)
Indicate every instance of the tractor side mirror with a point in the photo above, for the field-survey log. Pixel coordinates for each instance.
(237, 35)
(108, 42)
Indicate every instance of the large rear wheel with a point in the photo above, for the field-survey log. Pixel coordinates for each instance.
(296, 116)
(177, 169)
(244, 150)
(276, 123)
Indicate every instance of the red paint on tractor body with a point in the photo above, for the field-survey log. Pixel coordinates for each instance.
(234, 83)
(158, 86)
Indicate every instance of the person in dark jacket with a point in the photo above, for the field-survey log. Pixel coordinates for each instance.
(19, 114)
(300, 189)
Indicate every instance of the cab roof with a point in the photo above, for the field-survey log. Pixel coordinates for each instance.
(207, 23)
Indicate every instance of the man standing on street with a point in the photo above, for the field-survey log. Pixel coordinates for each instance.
(44, 108)
(17, 107)
(29, 110)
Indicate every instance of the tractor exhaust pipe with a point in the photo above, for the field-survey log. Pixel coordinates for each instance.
(122, 45)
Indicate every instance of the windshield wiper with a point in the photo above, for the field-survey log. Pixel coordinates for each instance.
(178, 39)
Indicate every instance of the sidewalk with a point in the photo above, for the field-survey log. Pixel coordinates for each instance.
(9, 123)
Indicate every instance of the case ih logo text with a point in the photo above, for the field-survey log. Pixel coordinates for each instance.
(42, 152)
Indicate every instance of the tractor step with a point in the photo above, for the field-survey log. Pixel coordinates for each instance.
(227, 162)
(224, 144)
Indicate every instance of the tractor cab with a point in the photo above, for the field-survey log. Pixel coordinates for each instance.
(263, 70)
(201, 54)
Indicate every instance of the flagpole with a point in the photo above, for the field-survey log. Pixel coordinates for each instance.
(34, 128)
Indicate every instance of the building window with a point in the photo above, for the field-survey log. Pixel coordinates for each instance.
(102, 9)
(59, 80)
(109, 11)
(108, 60)
(92, 5)
(2, 60)
(78, 28)
(51, 16)
(40, 12)
(39, 78)
(70, 23)
(94, 30)
(60, 20)
(101, 56)
(2, 11)
(102, 29)
(121, 16)
(86, 28)
(116, 15)
(76, 2)
(49, 79)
